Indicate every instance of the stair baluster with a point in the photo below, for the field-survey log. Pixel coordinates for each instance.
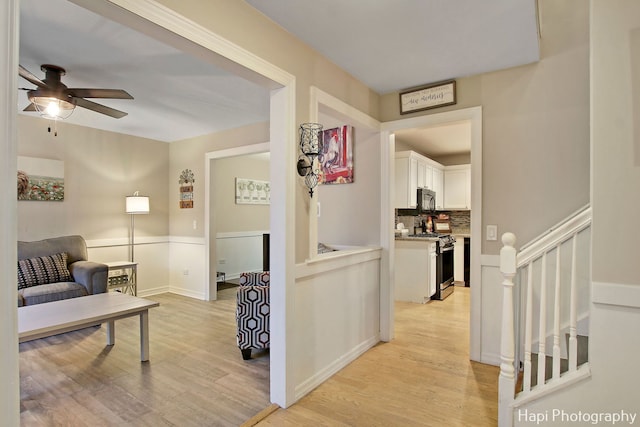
(573, 312)
(528, 330)
(556, 320)
(542, 335)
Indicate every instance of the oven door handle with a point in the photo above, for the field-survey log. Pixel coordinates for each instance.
(446, 249)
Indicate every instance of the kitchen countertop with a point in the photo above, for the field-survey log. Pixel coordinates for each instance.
(417, 237)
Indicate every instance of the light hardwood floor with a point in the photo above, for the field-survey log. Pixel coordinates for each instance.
(196, 376)
(422, 378)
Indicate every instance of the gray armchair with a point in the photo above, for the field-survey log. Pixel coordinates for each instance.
(43, 277)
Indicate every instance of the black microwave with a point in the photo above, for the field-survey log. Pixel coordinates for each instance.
(426, 200)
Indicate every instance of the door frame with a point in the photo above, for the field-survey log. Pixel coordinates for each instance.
(210, 229)
(155, 19)
(474, 116)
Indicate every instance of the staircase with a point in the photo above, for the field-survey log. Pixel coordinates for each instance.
(583, 357)
(545, 299)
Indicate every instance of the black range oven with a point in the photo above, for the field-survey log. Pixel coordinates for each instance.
(444, 267)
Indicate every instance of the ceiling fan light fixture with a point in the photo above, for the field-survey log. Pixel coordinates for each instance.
(52, 108)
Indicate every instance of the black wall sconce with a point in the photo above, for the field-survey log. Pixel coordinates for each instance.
(311, 147)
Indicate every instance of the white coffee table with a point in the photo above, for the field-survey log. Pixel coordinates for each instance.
(52, 318)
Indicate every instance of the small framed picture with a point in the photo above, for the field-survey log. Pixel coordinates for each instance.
(426, 97)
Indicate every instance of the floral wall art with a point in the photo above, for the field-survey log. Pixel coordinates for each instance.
(40, 179)
(252, 192)
(186, 181)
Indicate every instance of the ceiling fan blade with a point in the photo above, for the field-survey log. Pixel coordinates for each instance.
(30, 107)
(27, 75)
(99, 93)
(90, 105)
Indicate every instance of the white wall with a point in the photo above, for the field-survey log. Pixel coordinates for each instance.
(491, 309)
(239, 227)
(100, 169)
(239, 252)
(151, 254)
(615, 139)
(232, 217)
(337, 314)
(350, 213)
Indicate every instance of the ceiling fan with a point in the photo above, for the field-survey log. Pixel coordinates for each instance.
(54, 100)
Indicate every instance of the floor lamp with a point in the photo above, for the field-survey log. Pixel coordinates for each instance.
(135, 205)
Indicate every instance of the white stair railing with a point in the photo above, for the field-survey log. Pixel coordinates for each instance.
(534, 261)
(507, 370)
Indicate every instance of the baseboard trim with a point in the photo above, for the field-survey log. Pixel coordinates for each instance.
(324, 374)
(153, 291)
(186, 293)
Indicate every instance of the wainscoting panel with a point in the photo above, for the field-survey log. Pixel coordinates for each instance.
(491, 310)
(187, 266)
(237, 252)
(151, 254)
(337, 314)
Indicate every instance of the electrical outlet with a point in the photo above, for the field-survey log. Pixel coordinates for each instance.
(222, 261)
(195, 224)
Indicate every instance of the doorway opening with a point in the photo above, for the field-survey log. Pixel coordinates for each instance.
(472, 117)
(225, 231)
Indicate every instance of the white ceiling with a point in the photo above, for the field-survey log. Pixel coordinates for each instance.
(388, 45)
(395, 45)
(176, 95)
(438, 140)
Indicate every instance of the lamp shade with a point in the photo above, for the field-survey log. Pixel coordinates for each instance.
(137, 204)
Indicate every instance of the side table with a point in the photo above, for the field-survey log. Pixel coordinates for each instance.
(122, 277)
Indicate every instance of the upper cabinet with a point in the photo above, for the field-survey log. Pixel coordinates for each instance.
(457, 187)
(406, 182)
(438, 187)
(452, 184)
(414, 170)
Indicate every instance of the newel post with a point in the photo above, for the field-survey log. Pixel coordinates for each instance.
(507, 382)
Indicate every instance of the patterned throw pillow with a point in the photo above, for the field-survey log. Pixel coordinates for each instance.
(43, 270)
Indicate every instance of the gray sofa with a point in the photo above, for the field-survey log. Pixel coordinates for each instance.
(44, 277)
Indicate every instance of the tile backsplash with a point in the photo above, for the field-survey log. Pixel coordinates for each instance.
(460, 221)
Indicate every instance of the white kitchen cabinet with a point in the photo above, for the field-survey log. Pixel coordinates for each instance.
(422, 174)
(406, 181)
(457, 187)
(414, 170)
(438, 187)
(415, 270)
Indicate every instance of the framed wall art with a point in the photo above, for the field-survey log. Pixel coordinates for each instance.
(40, 179)
(336, 158)
(427, 97)
(252, 192)
(186, 180)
